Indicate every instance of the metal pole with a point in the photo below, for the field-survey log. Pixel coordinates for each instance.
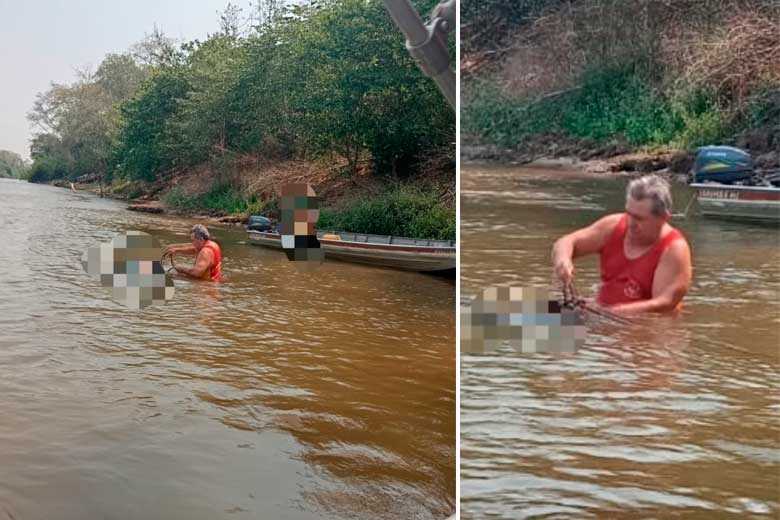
(428, 43)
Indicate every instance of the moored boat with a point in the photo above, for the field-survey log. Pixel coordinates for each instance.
(727, 186)
(758, 203)
(380, 250)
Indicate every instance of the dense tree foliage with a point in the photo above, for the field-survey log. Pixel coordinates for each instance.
(329, 76)
(11, 165)
(77, 124)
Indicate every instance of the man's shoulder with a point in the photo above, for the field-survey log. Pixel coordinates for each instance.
(678, 237)
(609, 220)
(607, 224)
(678, 249)
(206, 252)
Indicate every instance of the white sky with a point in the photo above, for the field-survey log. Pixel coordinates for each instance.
(44, 40)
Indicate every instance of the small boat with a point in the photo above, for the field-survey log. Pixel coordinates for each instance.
(727, 186)
(411, 254)
(757, 203)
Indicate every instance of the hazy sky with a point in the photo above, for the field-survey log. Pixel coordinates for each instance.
(44, 40)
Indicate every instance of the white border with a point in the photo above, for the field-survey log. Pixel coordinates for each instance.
(457, 260)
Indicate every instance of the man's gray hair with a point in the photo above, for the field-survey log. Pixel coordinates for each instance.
(200, 232)
(655, 188)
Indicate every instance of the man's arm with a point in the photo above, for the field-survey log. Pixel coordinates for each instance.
(585, 241)
(202, 264)
(180, 248)
(670, 283)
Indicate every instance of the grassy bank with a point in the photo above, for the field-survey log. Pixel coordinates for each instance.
(614, 105)
(401, 210)
(652, 77)
(421, 207)
(221, 199)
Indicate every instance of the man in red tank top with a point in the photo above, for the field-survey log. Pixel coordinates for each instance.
(645, 262)
(208, 263)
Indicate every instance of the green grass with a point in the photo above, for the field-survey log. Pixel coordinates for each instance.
(400, 211)
(220, 199)
(607, 104)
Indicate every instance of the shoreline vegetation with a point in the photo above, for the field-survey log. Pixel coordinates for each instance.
(323, 93)
(12, 165)
(552, 80)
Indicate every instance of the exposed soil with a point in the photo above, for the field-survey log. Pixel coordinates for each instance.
(614, 157)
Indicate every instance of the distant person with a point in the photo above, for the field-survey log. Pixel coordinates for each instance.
(208, 262)
(645, 262)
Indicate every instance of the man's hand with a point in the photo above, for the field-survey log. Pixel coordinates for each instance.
(586, 241)
(564, 270)
(202, 264)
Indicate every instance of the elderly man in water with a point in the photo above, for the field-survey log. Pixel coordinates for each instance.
(208, 261)
(645, 262)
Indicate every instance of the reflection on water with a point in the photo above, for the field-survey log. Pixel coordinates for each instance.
(671, 418)
(277, 394)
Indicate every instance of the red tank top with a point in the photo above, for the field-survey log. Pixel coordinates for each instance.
(215, 273)
(624, 280)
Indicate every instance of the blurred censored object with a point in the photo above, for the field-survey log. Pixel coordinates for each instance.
(130, 265)
(525, 318)
(300, 210)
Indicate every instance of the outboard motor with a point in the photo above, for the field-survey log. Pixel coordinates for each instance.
(259, 223)
(723, 164)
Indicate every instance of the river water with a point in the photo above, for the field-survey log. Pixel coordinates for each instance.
(277, 394)
(670, 418)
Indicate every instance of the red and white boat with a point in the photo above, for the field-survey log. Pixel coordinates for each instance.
(728, 186)
(756, 203)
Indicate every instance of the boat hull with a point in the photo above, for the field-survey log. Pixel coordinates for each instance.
(409, 256)
(755, 203)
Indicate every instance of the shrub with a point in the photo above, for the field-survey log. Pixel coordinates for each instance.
(220, 199)
(400, 211)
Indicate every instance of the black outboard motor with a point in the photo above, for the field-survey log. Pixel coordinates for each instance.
(723, 164)
(259, 223)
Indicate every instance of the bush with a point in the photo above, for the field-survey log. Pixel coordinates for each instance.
(47, 169)
(608, 104)
(401, 211)
(614, 102)
(664, 73)
(221, 199)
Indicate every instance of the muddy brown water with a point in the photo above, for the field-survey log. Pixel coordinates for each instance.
(672, 418)
(277, 394)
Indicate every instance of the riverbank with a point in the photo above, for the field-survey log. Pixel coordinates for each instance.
(561, 151)
(670, 162)
(422, 206)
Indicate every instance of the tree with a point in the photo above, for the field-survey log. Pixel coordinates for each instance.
(143, 147)
(77, 124)
(11, 164)
(156, 50)
(362, 90)
(119, 76)
(267, 13)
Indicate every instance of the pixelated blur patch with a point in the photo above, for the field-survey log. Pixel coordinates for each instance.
(524, 318)
(299, 208)
(130, 266)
